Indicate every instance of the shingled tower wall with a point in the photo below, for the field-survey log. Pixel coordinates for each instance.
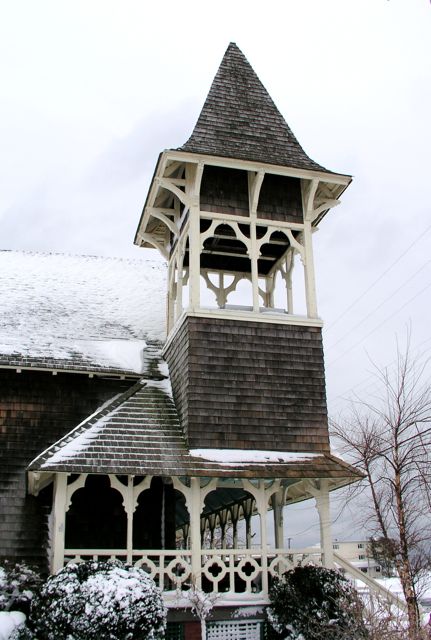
(236, 205)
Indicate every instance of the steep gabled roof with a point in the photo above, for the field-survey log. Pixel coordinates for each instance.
(240, 120)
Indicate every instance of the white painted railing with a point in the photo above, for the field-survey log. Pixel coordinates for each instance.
(226, 571)
(219, 570)
(375, 588)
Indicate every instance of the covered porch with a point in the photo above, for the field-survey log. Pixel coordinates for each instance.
(224, 535)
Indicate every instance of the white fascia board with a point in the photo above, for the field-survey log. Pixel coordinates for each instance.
(248, 165)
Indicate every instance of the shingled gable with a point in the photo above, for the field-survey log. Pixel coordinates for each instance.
(240, 120)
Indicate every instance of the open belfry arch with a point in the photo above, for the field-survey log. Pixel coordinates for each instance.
(195, 469)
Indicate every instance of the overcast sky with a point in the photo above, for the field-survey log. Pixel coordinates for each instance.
(91, 92)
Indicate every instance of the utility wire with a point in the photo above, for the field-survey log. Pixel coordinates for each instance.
(419, 237)
(380, 305)
(380, 325)
(343, 394)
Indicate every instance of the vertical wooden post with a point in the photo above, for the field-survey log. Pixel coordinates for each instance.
(129, 509)
(262, 508)
(323, 508)
(194, 259)
(290, 263)
(308, 261)
(310, 281)
(254, 267)
(193, 181)
(59, 523)
(195, 530)
(277, 510)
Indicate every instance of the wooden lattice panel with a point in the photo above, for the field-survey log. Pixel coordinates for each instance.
(234, 630)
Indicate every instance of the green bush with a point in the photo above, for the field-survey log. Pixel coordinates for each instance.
(18, 585)
(94, 600)
(314, 603)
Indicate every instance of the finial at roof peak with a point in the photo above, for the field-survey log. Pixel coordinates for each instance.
(240, 120)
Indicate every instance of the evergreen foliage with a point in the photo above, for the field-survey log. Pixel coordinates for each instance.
(94, 600)
(314, 603)
(18, 585)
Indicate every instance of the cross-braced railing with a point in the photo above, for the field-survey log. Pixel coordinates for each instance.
(213, 570)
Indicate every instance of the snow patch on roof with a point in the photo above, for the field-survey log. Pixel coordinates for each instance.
(86, 311)
(241, 456)
(76, 442)
(163, 385)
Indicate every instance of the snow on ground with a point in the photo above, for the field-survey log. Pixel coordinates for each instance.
(9, 621)
(80, 308)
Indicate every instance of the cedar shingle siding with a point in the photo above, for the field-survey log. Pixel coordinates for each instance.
(36, 409)
(249, 385)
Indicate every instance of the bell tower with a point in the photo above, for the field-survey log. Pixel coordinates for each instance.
(233, 212)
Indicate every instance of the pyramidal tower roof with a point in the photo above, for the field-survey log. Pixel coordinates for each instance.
(240, 120)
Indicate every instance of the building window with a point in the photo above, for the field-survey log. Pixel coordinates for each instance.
(364, 569)
(335, 546)
(377, 569)
(361, 557)
(360, 545)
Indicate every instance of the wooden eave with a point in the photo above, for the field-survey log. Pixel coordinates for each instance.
(151, 230)
(90, 372)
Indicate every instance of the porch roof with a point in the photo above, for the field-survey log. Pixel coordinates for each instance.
(138, 433)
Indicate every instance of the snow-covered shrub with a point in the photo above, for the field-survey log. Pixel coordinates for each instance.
(18, 585)
(22, 633)
(315, 603)
(10, 621)
(94, 600)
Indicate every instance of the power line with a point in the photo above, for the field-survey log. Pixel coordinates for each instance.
(380, 305)
(364, 293)
(342, 395)
(381, 324)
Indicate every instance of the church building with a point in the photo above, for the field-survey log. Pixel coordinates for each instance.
(185, 465)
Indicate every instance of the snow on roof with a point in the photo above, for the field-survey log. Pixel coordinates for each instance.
(242, 456)
(80, 312)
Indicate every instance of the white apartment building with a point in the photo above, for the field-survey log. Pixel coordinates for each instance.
(357, 552)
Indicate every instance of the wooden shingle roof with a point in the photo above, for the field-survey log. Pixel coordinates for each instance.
(139, 433)
(240, 120)
(80, 313)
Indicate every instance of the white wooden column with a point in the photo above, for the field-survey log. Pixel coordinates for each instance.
(194, 258)
(310, 281)
(254, 254)
(59, 521)
(277, 500)
(323, 508)
(129, 507)
(195, 529)
(254, 185)
(193, 182)
(262, 507)
(171, 295)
